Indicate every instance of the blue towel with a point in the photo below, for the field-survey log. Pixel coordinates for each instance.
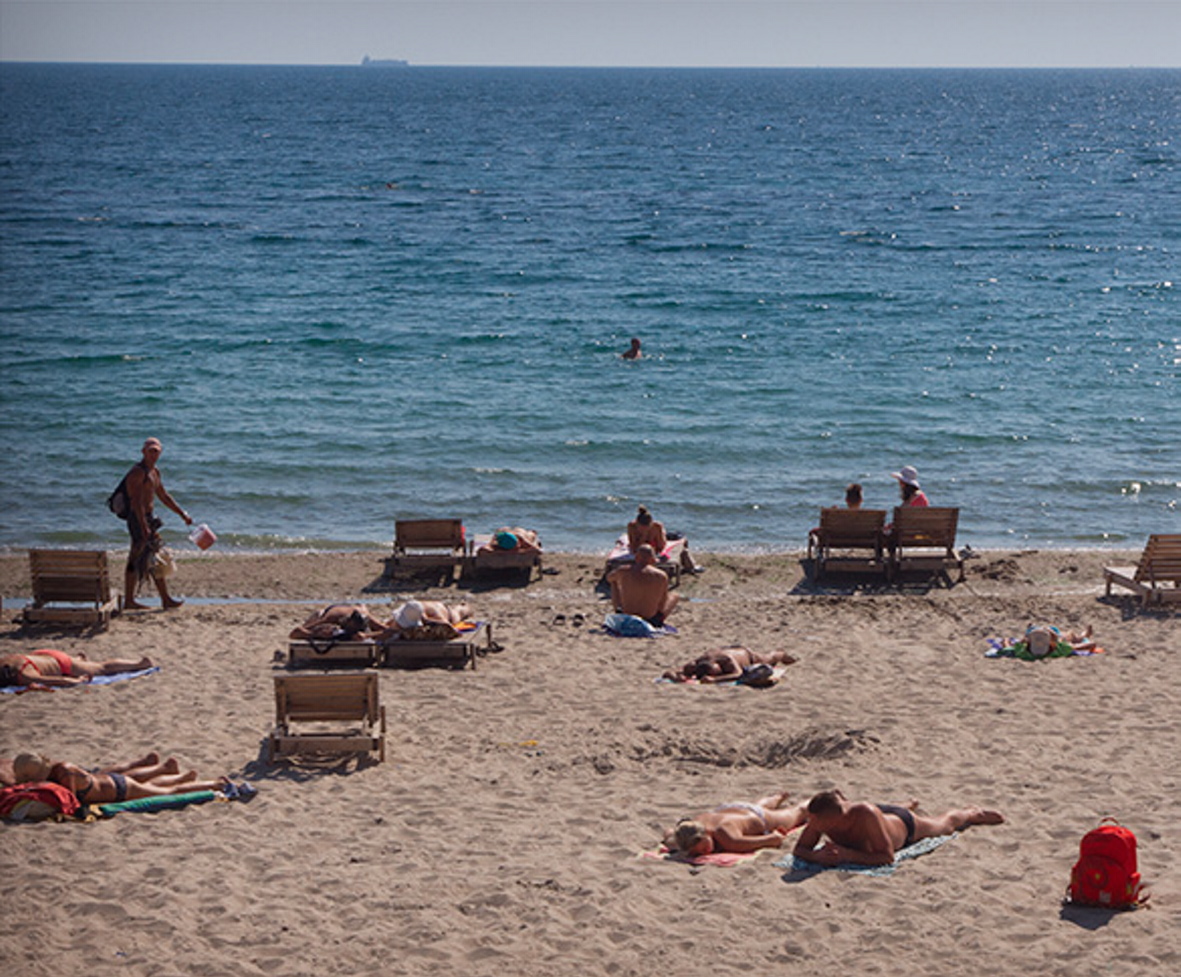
(630, 626)
(97, 680)
(797, 866)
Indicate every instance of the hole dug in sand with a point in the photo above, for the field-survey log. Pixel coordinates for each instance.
(773, 754)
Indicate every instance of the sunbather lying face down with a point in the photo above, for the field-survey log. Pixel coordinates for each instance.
(340, 621)
(870, 834)
(144, 778)
(725, 664)
(48, 668)
(737, 827)
(512, 539)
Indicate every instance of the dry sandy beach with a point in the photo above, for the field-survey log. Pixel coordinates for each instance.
(503, 834)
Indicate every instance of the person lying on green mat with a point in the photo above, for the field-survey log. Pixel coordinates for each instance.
(128, 782)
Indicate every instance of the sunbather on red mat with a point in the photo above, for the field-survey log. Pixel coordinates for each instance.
(127, 782)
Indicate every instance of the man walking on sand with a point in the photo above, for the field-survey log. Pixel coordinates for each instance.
(641, 589)
(143, 486)
(870, 834)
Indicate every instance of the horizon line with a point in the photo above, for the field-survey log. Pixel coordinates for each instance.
(409, 65)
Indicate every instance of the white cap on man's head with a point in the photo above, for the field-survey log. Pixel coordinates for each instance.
(153, 443)
(907, 475)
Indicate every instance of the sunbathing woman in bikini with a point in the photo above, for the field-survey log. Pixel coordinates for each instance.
(47, 667)
(91, 787)
(737, 827)
(725, 664)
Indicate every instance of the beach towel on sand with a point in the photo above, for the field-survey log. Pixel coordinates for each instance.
(97, 680)
(630, 626)
(799, 868)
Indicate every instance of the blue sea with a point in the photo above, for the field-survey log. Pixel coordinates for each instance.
(343, 296)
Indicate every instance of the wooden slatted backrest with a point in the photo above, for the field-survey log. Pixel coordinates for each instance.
(69, 575)
(851, 527)
(925, 526)
(411, 534)
(325, 698)
(1161, 559)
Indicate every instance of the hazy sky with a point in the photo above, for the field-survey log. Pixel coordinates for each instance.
(1033, 33)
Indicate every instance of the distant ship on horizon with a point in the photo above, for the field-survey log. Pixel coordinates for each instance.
(368, 62)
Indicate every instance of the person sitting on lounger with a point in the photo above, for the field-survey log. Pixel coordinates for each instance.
(111, 785)
(644, 529)
(342, 622)
(641, 589)
(737, 827)
(512, 539)
(870, 834)
(725, 664)
(49, 668)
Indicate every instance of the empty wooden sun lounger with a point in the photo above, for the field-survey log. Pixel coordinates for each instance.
(78, 578)
(848, 540)
(923, 538)
(456, 652)
(428, 544)
(1157, 577)
(312, 710)
(327, 653)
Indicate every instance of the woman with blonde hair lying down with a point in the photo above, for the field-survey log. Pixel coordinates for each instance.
(737, 827)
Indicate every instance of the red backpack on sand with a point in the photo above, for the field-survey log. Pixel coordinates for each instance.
(1105, 874)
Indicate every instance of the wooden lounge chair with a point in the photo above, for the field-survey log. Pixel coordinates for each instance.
(311, 710)
(1157, 577)
(923, 538)
(78, 578)
(324, 653)
(669, 560)
(428, 544)
(455, 652)
(848, 540)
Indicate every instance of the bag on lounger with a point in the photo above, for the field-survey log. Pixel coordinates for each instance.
(1105, 874)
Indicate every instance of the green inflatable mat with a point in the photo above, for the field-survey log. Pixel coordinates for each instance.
(148, 804)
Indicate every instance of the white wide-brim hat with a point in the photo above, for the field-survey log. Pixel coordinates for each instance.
(907, 475)
(409, 615)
